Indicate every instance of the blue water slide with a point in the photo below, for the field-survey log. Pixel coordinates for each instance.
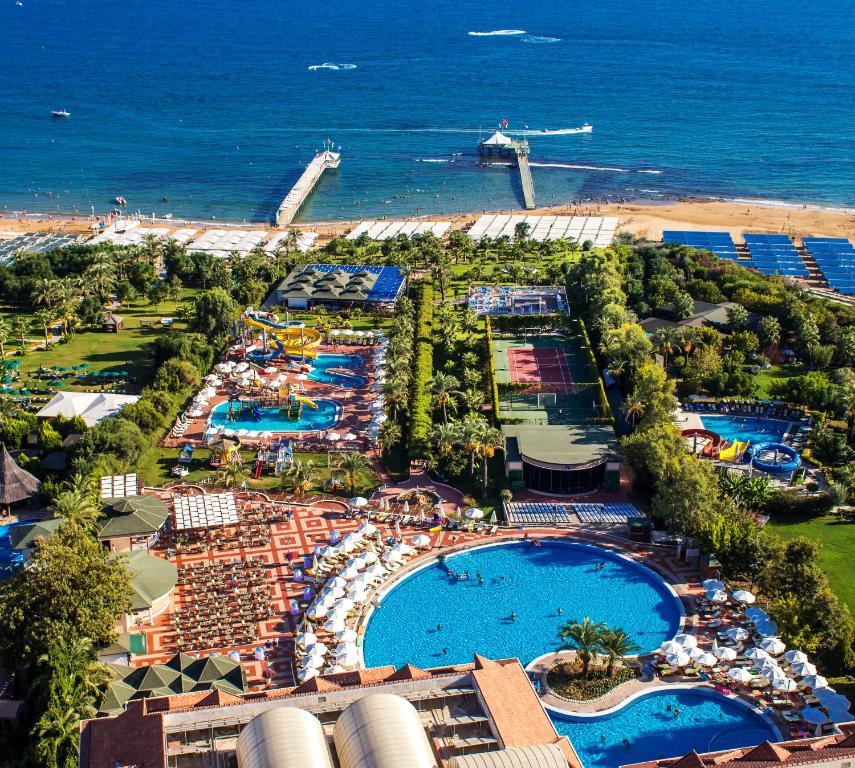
(264, 357)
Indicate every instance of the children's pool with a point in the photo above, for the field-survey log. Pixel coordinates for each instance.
(322, 373)
(742, 428)
(706, 722)
(272, 419)
(432, 618)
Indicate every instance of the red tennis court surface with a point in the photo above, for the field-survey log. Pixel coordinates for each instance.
(545, 365)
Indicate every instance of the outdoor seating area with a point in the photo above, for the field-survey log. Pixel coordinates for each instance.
(737, 649)
(772, 408)
(606, 513)
(538, 513)
(244, 526)
(223, 603)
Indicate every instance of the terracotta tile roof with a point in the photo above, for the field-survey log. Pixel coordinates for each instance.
(786, 754)
(518, 717)
(409, 672)
(317, 685)
(134, 738)
(218, 698)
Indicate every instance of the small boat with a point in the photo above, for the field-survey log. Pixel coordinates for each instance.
(62, 114)
(120, 200)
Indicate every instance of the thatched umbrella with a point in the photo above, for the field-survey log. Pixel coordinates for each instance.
(16, 484)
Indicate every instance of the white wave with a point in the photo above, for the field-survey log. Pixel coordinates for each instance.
(580, 167)
(498, 33)
(432, 160)
(650, 170)
(331, 66)
(787, 204)
(540, 39)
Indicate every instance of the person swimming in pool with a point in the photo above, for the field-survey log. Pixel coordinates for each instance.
(513, 616)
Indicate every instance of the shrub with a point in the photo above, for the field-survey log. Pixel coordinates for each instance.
(13, 432)
(793, 504)
(49, 439)
(420, 411)
(494, 384)
(116, 438)
(174, 375)
(144, 414)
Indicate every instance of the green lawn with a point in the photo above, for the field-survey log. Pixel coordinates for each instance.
(122, 351)
(837, 537)
(775, 373)
(155, 469)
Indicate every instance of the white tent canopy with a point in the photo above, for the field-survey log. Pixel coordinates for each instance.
(92, 407)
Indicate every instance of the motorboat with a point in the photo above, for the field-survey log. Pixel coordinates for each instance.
(119, 200)
(61, 114)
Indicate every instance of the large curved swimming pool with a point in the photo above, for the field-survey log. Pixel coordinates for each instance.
(432, 618)
(705, 722)
(323, 417)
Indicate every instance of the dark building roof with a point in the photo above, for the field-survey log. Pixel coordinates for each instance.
(132, 516)
(560, 445)
(16, 484)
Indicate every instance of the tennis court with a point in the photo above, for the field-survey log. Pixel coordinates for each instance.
(542, 365)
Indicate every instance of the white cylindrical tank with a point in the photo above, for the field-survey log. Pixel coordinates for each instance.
(285, 737)
(382, 731)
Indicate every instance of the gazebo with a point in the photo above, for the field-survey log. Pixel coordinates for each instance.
(113, 323)
(16, 484)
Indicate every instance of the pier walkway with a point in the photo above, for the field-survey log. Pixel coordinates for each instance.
(305, 185)
(525, 176)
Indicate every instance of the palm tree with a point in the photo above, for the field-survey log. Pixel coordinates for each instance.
(489, 440)
(616, 644)
(445, 436)
(45, 317)
(21, 327)
(633, 408)
(443, 390)
(4, 337)
(233, 474)
(837, 493)
(351, 464)
(585, 637)
(389, 435)
(44, 291)
(667, 341)
(302, 474)
(78, 508)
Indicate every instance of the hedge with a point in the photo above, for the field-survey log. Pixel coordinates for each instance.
(520, 322)
(420, 410)
(595, 372)
(494, 385)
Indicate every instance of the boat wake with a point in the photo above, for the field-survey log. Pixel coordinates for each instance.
(551, 132)
(539, 39)
(433, 160)
(331, 66)
(498, 33)
(580, 167)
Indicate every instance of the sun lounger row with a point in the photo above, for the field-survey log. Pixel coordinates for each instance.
(605, 513)
(537, 512)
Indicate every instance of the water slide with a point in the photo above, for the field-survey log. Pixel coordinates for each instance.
(305, 400)
(294, 340)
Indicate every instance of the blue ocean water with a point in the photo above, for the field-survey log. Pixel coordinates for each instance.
(531, 582)
(208, 108)
(706, 722)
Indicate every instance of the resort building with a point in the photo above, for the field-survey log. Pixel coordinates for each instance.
(153, 580)
(131, 522)
(561, 459)
(833, 751)
(483, 714)
(704, 314)
(336, 285)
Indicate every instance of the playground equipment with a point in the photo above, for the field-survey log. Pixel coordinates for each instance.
(291, 339)
(733, 452)
(224, 450)
(703, 441)
(768, 457)
(279, 455)
(241, 408)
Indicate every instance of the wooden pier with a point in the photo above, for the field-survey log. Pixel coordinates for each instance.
(327, 159)
(499, 145)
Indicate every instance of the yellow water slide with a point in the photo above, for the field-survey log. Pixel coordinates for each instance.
(294, 341)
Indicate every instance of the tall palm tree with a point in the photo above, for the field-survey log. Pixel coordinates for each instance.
(389, 435)
(633, 408)
(616, 644)
(443, 388)
(489, 440)
(667, 341)
(45, 317)
(585, 638)
(445, 436)
(21, 327)
(351, 464)
(44, 291)
(302, 475)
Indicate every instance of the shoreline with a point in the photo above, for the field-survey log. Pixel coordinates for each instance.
(642, 217)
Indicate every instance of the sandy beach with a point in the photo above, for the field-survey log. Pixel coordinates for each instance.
(642, 219)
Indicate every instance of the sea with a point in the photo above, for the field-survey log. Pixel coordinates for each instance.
(211, 108)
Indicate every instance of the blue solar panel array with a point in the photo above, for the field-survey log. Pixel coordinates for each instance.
(774, 255)
(835, 257)
(390, 280)
(720, 243)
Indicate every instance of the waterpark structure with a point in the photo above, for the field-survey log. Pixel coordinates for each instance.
(771, 457)
(288, 339)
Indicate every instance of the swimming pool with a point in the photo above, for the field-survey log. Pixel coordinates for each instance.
(757, 430)
(532, 582)
(706, 722)
(321, 372)
(324, 417)
(8, 557)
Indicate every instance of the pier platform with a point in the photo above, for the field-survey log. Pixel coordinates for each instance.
(300, 192)
(499, 145)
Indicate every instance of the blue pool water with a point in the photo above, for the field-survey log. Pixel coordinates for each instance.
(324, 417)
(321, 372)
(707, 721)
(757, 430)
(7, 556)
(531, 581)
